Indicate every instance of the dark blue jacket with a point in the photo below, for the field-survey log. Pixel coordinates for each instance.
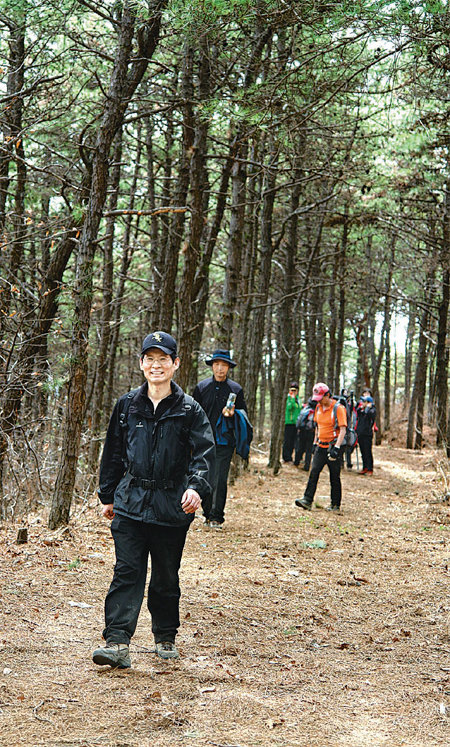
(212, 395)
(238, 429)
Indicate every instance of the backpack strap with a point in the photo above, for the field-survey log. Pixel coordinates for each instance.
(123, 420)
(188, 406)
(124, 407)
(334, 415)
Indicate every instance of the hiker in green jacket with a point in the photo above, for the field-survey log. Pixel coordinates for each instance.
(293, 407)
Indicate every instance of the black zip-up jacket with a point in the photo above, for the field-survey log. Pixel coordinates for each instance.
(366, 419)
(212, 395)
(148, 462)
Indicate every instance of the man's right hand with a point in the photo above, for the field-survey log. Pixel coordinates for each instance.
(108, 510)
(334, 453)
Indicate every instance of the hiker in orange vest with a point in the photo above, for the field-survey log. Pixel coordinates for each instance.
(331, 426)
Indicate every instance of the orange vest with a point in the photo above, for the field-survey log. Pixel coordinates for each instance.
(327, 428)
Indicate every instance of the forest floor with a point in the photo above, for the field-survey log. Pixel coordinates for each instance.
(298, 628)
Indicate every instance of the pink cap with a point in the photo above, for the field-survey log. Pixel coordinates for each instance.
(319, 390)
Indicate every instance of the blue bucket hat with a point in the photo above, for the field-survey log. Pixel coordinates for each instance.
(220, 355)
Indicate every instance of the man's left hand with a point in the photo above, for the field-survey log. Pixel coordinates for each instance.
(190, 501)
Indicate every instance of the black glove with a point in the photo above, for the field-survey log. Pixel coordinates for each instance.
(314, 449)
(333, 453)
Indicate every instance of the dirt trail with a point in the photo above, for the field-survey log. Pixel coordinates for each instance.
(309, 629)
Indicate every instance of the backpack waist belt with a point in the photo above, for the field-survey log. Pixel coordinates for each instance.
(327, 443)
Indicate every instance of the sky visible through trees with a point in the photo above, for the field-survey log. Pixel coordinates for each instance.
(272, 177)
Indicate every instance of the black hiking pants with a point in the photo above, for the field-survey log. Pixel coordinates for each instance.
(222, 467)
(290, 435)
(320, 459)
(365, 444)
(304, 444)
(134, 542)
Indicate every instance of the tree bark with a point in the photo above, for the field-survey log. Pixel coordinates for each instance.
(285, 327)
(234, 254)
(168, 295)
(12, 115)
(126, 259)
(190, 311)
(410, 335)
(442, 348)
(107, 308)
(256, 332)
(122, 86)
(342, 298)
(415, 414)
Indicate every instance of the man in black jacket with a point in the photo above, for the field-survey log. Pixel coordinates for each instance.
(366, 414)
(155, 471)
(212, 394)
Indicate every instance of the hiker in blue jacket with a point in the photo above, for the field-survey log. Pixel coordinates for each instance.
(156, 470)
(213, 395)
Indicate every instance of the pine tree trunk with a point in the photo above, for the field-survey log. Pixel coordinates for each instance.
(442, 348)
(256, 331)
(122, 86)
(168, 295)
(331, 365)
(387, 379)
(105, 324)
(410, 335)
(342, 299)
(234, 254)
(11, 122)
(285, 331)
(262, 402)
(189, 312)
(126, 259)
(415, 417)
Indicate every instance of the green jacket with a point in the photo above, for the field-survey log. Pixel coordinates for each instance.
(293, 407)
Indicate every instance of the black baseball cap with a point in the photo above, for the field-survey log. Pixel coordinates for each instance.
(161, 340)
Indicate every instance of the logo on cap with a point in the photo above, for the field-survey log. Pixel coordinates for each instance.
(157, 336)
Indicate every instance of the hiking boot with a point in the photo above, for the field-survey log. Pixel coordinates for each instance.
(114, 654)
(333, 508)
(303, 503)
(369, 472)
(167, 650)
(215, 525)
(363, 471)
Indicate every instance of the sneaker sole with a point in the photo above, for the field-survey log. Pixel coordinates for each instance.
(305, 506)
(103, 659)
